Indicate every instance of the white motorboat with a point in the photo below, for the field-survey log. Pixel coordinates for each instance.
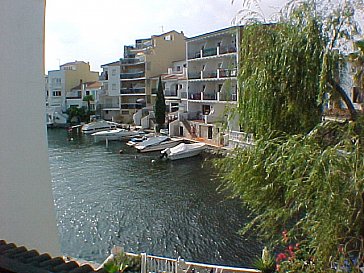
(114, 134)
(183, 150)
(96, 126)
(157, 143)
(135, 140)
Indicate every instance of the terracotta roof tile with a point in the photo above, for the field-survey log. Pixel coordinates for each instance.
(15, 259)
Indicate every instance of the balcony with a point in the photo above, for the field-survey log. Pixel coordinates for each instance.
(227, 49)
(184, 95)
(109, 106)
(212, 74)
(104, 76)
(223, 73)
(209, 52)
(132, 105)
(132, 75)
(194, 75)
(224, 96)
(138, 90)
(209, 96)
(131, 61)
(170, 93)
(213, 51)
(209, 74)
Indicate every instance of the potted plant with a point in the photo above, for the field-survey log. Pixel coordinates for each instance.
(121, 262)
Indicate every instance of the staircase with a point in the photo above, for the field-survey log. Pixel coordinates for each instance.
(187, 125)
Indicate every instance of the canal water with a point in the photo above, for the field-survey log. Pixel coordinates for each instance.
(173, 209)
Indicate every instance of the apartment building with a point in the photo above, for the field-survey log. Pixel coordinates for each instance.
(110, 97)
(60, 82)
(211, 84)
(140, 67)
(75, 98)
(174, 87)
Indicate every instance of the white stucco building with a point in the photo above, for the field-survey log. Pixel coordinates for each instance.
(26, 202)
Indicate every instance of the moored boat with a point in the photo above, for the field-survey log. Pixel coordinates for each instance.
(157, 143)
(114, 134)
(96, 126)
(183, 150)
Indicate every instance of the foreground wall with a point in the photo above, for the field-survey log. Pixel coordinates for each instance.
(26, 204)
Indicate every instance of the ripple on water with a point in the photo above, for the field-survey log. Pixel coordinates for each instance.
(104, 198)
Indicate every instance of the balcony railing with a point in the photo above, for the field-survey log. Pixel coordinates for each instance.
(195, 96)
(139, 90)
(184, 95)
(227, 49)
(209, 52)
(132, 60)
(194, 75)
(209, 74)
(223, 73)
(133, 75)
(109, 105)
(170, 93)
(104, 76)
(209, 96)
(132, 105)
(214, 51)
(227, 97)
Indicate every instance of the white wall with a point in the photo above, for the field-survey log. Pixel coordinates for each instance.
(27, 214)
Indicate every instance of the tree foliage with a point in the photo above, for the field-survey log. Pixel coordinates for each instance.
(280, 76)
(310, 185)
(160, 105)
(302, 177)
(88, 99)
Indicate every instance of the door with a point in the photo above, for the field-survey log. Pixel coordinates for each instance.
(209, 132)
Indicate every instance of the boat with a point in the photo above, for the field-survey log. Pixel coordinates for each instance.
(157, 143)
(135, 140)
(99, 125)
(114, 134)
(183, 150)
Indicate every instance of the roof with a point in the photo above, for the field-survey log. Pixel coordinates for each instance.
(166, 33)
(89, 85)
(116, 63)
(213, 33)
(73, 63)
(14, 259)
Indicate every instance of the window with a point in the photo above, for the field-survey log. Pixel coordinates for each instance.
(168, 37)
(56, 81)
(56, 93)
(205, 109)
(178, 68)
(87, 92)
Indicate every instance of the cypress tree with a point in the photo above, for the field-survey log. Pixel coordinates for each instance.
(160, 106)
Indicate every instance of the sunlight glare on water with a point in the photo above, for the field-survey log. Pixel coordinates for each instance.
(143, 204)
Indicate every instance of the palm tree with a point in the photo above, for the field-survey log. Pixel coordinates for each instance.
(88, 98)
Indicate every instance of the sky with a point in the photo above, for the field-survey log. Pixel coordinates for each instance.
(96, 31)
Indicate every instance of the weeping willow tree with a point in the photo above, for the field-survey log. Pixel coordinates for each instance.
(302, 177)
(280, 76)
